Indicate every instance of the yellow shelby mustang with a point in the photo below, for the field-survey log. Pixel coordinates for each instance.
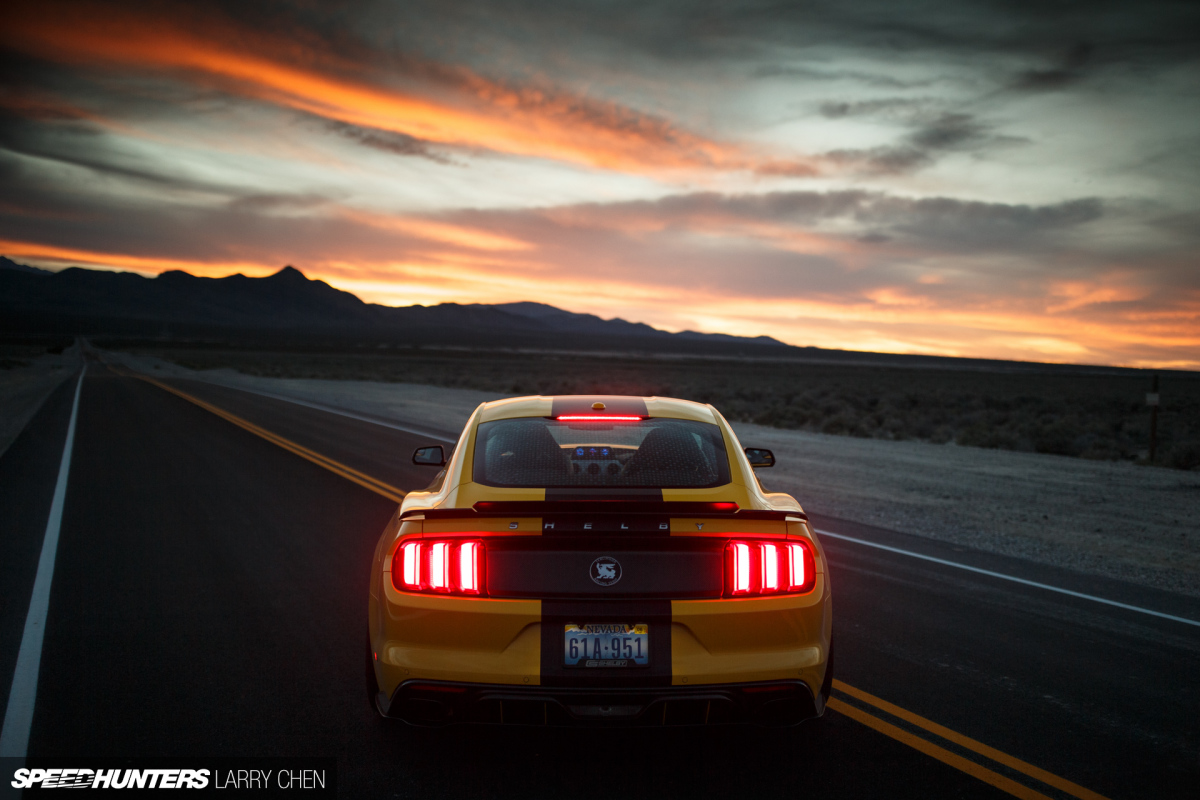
(598, 560)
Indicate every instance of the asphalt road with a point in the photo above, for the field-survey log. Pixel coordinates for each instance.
(209, 598)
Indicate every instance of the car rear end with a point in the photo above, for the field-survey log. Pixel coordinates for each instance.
(599, 561)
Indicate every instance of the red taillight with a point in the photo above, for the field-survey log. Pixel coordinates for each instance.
(450, 566)
(770, 567)
(758, 568)
(439, 566)
(801, 565)
(597, 418)
(468, 567)
(739, 553)
(409, 566)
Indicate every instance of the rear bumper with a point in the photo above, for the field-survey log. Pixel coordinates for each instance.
(437, 703)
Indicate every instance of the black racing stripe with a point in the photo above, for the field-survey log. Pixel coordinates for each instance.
(613, 404)
(603, 495)
(556, 614)
(561, 567)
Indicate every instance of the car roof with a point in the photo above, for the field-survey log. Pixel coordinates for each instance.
(541, 405)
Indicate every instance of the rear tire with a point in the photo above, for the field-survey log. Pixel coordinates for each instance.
(371, 681)
(813, 730)
(827, 681)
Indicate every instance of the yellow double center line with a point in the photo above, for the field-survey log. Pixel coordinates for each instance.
(946, 756)
(876, 723)
(349, 473)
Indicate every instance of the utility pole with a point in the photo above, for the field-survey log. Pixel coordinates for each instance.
(1152, 401)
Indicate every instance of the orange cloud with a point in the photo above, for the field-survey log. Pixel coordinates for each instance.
(450, 106)
(1078, 294)
(447, 233)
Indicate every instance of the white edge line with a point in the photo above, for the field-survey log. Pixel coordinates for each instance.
(18, 716)
(332, 410)
(1012, 578)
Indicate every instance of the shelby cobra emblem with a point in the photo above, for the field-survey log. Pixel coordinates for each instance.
(606, 570)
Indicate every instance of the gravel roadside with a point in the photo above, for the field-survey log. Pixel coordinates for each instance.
(24, 389)
(1110, 518)
(1114, 519)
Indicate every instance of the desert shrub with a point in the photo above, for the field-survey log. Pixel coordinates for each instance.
(1184, 455)
(1068, 410)
(981, 434)
(1057, 437)
(1100, 450)
(942, 434)
(894, 427)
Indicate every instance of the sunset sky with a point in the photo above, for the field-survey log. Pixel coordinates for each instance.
(1007, 179)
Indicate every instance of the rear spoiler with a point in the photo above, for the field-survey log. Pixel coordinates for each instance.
(509, 508)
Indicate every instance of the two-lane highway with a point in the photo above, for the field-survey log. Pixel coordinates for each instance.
(209, 598)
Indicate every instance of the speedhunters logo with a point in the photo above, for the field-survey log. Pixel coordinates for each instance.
(66, 778)
(308, 776)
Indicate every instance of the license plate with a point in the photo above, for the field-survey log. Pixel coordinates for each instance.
(606, 645)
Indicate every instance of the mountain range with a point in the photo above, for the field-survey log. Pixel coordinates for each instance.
(289, 305)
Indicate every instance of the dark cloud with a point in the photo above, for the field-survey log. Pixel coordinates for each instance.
(937, 220)
(263, 228)
(860, 108)
(517, 38)
(530, 56)
(838, 75)
(387, 141)
(73, 142)
(1069, 71)
(78, 143)
(1043, 80)
(256, 203)
(995, 226)
(1184, 225)
(950, 132)
(874, 238)
(931, 138)
(888, 160)
(33, 153)
(756, 32)
(648, 231)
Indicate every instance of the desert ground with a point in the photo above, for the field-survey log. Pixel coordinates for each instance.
(1117, 519)
(1089, 412)
(27, 377)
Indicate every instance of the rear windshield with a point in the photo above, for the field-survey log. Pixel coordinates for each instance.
(653, 453)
